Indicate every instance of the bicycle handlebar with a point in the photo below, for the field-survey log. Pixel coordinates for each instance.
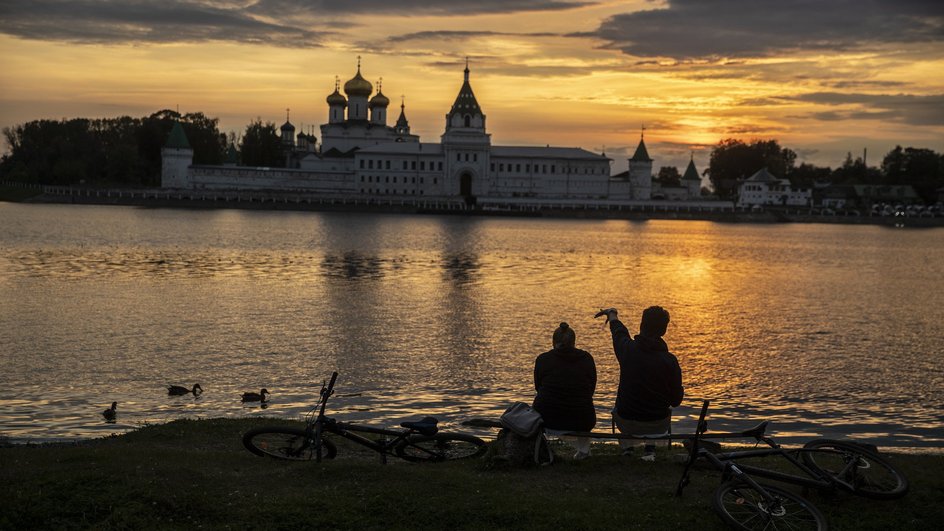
(327, 393)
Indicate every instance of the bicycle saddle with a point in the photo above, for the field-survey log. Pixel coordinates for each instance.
(757, 431)
(426, 425)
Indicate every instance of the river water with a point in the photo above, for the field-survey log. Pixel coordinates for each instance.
(826, 330)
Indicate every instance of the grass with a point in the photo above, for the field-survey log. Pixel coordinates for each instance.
(191, 474)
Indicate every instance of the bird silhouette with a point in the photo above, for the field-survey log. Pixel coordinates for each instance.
(256, 397)
(177, 390)
(111, 412)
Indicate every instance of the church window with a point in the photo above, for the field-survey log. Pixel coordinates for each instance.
(468, 121)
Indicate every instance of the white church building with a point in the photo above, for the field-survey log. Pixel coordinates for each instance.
(362, 156)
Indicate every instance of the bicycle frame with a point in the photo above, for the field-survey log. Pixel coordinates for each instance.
(384, 447)
(727, 462)
(323, 424)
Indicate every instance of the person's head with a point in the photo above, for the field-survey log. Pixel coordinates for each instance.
(654, 322)
(564, 336)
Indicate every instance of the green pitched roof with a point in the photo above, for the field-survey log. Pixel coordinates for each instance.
(465, 102)
(691, 174)
(641, 155)
(232, 156)
(177, 138)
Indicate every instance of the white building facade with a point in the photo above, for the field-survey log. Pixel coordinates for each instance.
(361, 155)
(763, 189)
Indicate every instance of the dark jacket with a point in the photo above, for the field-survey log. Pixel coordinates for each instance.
(650, 377)
(565, 380)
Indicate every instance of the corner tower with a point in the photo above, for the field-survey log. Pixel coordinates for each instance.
(176, 159)
(640, 171)
(691, 180)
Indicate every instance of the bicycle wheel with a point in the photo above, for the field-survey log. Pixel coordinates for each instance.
(743, 507)
(855, 469)
(440, 447)
(285, 443)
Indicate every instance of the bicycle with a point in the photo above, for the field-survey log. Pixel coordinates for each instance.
(418, 441)
(825, 464)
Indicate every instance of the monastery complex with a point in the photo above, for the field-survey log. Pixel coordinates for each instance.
(361, 155)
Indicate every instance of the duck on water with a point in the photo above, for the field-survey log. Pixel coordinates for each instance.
(261, 396)
(178, 390)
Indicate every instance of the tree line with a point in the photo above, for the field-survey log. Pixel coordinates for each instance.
(124, 151)
(734, 160)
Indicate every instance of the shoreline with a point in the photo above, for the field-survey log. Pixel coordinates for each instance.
(281, 201)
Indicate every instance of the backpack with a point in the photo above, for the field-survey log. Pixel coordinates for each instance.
(521, 441)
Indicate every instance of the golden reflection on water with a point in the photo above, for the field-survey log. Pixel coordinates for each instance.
(826, 330)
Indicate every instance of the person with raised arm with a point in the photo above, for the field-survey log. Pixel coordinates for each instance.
(650, 382)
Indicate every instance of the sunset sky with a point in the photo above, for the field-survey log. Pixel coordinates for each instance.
(822, 77)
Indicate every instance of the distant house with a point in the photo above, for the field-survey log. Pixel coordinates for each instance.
(764, 189)
(864, 195)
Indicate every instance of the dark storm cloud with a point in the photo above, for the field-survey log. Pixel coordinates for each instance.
(411, 7)
(692, 29)
(905, 108)
(292, 23)
(106, 21)
(461, 35)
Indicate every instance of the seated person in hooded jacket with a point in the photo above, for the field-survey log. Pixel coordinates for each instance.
(565, 379)
(650, 382)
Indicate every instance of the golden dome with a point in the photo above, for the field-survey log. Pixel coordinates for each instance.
(336, 98)
(358, 86)
(379, 100)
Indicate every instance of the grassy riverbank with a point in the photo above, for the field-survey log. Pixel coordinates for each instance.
(190, 474)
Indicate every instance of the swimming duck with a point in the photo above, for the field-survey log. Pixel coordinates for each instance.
(111, 412)
(256, 397)
(177, 390)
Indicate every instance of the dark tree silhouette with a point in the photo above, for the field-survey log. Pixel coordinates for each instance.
(261, 145)
(733, 161)
(669, 176)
